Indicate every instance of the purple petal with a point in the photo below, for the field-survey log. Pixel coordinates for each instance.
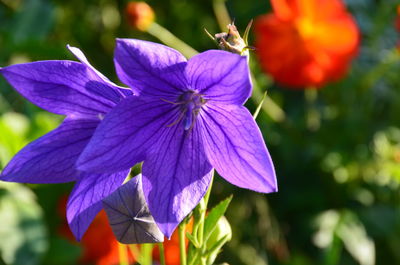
(221, 76)
(111, 93)
(51, 158)
(129, 215)
(126, 133)
(153, 69)
(82, 58)
(84, 202)
(235, 148)
(63, 87)
(176, 175)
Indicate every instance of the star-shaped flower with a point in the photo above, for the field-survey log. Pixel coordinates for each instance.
(84, 96)
(188, 118)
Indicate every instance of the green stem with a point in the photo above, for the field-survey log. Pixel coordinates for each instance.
(196, 252)
(311, 94)
(169, 39)
(203, 211)
(182, 245)
(313, 116)
(221, 13)
(207, 195)
(123, 254)
(332, 255)
(145, 254)
(162, 253)
(200, 239)
(200, 235)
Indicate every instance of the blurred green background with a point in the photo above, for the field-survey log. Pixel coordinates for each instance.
(337, 158)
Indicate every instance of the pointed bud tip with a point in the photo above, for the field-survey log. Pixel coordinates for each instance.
(231, 41)
(71, 48)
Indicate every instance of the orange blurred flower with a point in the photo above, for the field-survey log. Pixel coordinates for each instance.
(99, 244)
(140, 15)
(306, 43)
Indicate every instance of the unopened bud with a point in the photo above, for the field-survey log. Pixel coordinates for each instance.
(140, 15)
(232, 41)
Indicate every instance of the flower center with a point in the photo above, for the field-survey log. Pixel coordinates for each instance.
(190, 104)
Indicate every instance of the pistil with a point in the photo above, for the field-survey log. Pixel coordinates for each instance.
(190, 104)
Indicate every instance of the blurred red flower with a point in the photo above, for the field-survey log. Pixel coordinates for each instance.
(99, 244)
(306, 43)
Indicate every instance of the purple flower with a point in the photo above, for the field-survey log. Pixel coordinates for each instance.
(188, 118)
(80, 92)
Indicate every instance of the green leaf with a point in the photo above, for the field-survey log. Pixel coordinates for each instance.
(215, 214)
(22, 231)
(221, 235)
(259, 106)
(356, 240)
(194, 258)
(346, 227)
(214, 250)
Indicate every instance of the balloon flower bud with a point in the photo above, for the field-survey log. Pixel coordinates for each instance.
(140, 15)
(231, 41)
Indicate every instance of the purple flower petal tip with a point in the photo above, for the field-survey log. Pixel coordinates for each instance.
(51, 158)
(172, 197)
(235, 147)
(63, 87)
(84, 202)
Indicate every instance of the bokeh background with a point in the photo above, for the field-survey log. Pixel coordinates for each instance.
(336, 152)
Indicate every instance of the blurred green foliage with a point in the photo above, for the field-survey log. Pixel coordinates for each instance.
(337, 157)
(22, 226)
